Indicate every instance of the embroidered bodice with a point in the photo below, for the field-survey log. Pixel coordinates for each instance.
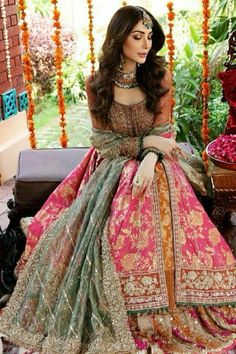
(132, 120)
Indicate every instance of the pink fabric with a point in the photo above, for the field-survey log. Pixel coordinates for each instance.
(204, 264)
(61, 199)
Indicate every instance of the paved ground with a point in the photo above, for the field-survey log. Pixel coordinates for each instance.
(78, 129)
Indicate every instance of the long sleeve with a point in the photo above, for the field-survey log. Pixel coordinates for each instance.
(112, 145)
(165, 105)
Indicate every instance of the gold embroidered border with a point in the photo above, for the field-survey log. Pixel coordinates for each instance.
(122, 341)
(186, 295)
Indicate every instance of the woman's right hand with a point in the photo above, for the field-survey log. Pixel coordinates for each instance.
(166, 145)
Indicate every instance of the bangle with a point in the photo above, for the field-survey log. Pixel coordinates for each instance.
(140, 143)
(140, 147)
(154, 150)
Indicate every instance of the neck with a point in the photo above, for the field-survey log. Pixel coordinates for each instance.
(129, 67)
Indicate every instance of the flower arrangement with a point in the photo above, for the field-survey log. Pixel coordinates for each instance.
(223, 149)
(91, 37)
(205, 87)
(58, 58)
(171, 44)
(6, 41)
(27, 70)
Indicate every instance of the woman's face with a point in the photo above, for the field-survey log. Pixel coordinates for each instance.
(137, 45)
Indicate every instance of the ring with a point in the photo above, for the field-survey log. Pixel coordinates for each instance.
(138, 181)
(176, 152)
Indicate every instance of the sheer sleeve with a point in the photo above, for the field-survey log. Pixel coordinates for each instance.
(90, 98)
(165, 105)
(112, 145)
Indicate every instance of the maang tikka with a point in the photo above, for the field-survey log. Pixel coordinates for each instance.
(147, 21)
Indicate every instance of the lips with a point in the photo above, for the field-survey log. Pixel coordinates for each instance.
(142, 55)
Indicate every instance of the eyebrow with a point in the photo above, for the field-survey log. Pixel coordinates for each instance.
(142, 32)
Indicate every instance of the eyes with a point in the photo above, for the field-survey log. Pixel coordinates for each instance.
(137, 37)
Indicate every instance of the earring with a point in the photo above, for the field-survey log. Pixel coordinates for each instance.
(122, 61)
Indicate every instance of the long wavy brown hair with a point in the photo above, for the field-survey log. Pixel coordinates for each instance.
(149, 74)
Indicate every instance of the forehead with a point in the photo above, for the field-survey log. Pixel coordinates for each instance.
(139, 27)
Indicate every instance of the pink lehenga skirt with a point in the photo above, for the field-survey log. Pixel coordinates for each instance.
(114, 274)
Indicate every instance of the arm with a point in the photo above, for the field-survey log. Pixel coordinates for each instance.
(110, 145)
(166, 141)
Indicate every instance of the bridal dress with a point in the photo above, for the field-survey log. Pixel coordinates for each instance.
(112, 273)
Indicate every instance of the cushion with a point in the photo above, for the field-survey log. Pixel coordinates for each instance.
(39, 172)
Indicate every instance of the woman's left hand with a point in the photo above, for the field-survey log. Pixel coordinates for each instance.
(144, 175)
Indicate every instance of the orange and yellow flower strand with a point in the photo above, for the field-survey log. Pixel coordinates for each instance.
(205, 87)
(91, 37)
(58, 58)
(171, 45)
(27, 69)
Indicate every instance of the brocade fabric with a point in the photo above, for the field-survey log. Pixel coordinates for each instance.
(106, 272)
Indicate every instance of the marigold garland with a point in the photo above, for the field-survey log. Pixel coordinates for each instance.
(205, 87)
(171, 45)
(6, 41)
(91, 37)
(58, 58)
(27, 70)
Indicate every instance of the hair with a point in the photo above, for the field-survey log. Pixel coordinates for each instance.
(149, 74)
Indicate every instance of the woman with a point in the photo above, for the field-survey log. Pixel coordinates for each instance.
(127, 260)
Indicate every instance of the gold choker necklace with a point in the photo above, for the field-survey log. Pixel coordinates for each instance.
(125, 79)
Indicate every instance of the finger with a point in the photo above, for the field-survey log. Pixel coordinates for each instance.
(169, 155)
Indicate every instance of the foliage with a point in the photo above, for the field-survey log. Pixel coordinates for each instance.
(219, 29)
(42, 51)
(187, 80)
(42, 7)
(73, 81)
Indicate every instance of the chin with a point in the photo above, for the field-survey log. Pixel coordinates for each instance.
(141, 61)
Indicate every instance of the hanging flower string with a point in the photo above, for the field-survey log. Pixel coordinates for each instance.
(58, 58)
(27, 69)
(205, 87)
(169, 36)
(171, 45)
(91, 37)
(6, 41)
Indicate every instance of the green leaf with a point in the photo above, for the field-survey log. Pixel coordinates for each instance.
(194, 34)
(188, 50)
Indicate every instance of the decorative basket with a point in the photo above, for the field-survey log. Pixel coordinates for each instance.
(221, 163)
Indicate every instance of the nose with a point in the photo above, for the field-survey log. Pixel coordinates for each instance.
(145, 43)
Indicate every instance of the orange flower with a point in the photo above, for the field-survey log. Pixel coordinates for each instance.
(171, 16)
(205, 87)
(170, 44)
(90, 35)
(27, 71)
(58, 58)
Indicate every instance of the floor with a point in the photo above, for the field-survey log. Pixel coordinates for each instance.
(5, 194)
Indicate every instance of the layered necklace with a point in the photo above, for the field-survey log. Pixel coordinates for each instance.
(126, 80)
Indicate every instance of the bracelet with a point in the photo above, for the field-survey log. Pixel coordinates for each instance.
(140, 144)
(154, 150)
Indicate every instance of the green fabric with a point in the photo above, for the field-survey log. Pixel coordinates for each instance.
(60, 293)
